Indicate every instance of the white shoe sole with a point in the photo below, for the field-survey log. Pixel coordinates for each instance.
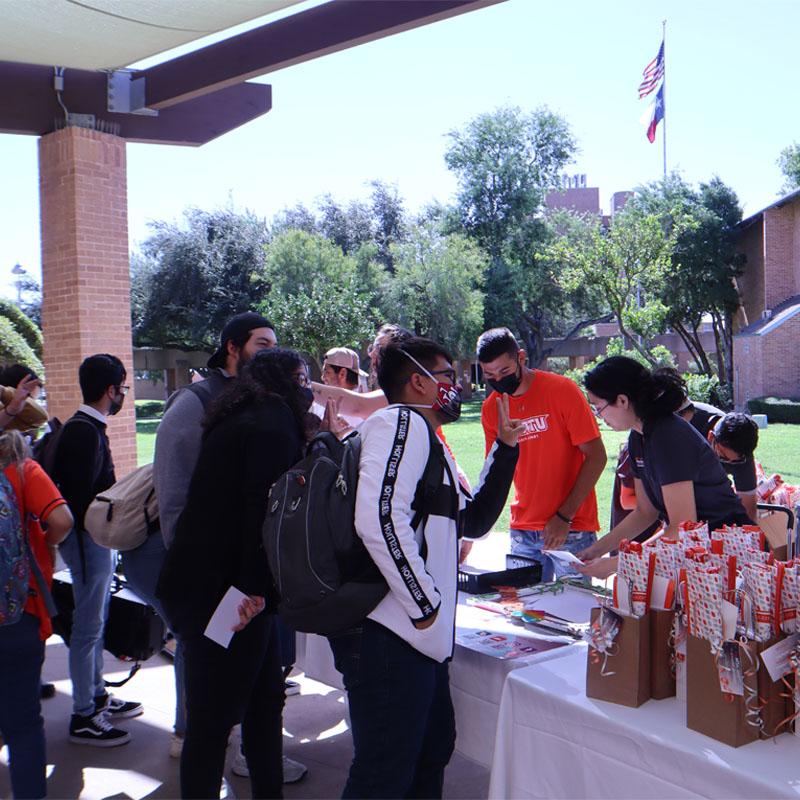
(100, 742)
(136, 712)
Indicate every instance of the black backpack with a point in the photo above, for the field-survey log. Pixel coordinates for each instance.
(326, 579)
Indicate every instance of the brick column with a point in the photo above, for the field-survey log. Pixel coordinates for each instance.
(86, 306)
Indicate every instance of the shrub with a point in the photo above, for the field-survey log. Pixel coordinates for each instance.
(149, 409)
(777, 409)
(702, 388)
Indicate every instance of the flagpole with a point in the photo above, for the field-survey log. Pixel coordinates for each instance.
(663, 92)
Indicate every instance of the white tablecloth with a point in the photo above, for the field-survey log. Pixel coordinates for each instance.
(554, 742)
(476, 680)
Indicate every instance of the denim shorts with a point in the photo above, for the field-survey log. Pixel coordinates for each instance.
(531, 543)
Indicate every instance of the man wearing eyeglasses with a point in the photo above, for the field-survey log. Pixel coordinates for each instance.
(561, 452)
(83, 468)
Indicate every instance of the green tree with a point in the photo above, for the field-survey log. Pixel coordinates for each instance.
(20, 339)
(506, 162)
(705, 265)
(312, 292)
(436, 288)
(24, 326)
(626, 266)
(789, 163)
(190, 279)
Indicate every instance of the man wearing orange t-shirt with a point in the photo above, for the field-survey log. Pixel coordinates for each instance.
(561, 452)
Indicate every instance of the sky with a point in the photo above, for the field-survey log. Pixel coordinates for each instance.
(383, 111)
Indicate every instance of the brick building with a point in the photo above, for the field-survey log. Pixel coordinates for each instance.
(767, 349)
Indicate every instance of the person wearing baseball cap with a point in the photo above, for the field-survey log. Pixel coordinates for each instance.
(241, 338)
(341, 368)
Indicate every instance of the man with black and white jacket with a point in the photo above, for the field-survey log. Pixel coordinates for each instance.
(395, 665)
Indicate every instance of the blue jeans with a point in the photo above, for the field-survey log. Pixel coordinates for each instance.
(141, 568)
(530, 544)
(401, 715)
(91, 593)
(21, 723)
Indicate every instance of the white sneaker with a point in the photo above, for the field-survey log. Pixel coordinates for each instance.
(291, 688)
(175, 746)
(293, 771)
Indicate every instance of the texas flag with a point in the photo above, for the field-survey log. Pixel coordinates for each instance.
(654, 114)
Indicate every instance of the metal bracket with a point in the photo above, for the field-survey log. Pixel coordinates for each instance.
(126, 93)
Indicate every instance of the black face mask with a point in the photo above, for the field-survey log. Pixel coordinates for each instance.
(507, 384)
(306, 398)
(116, 405)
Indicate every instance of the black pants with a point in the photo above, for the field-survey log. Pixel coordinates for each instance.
(401, 715)
(243, 684)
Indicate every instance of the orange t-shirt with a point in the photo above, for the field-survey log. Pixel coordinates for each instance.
(557, 419)
(37, 495)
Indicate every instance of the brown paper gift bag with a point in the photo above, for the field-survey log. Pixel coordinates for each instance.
(662, 656)
(775, 697)
(626, 681)
(708, 711)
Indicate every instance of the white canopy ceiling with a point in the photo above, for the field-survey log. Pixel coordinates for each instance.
(105, 34)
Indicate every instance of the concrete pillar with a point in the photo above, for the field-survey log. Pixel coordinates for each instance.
(86, 305)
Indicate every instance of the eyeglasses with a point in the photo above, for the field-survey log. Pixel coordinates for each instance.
(302, 379)
(123, 390)
(598, 411)
(448, 373)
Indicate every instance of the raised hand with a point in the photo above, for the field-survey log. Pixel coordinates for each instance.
(23, 391)
(332, 421)
(508, 430)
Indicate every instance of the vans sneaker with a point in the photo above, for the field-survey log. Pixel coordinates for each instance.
(96, 731)
(116, 708)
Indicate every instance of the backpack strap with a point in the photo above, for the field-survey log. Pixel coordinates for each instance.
(432, 496)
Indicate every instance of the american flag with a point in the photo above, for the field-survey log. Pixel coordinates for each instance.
(652, 74)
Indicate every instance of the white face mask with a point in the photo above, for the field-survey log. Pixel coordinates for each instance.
(448, 396)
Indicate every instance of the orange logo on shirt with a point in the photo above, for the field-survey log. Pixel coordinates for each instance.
(533, 426)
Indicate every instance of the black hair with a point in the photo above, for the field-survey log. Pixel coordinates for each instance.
(496, 342)
(97, 373)
(396, 368)
(241, 339)
(351, 376)
(737, 431)
(12, 375)
(395, 333)
(269, 374)
(652, 394)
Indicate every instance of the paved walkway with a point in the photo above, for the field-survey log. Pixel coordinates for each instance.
(316, 732)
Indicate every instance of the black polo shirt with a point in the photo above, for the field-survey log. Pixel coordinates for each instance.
(672, 451)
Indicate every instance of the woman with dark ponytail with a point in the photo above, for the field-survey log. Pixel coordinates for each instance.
(678, 477)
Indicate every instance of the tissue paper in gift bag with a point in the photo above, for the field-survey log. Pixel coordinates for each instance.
(621, 674)
(722, 716)
(662, 654)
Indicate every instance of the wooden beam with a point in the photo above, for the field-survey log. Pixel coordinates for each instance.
(328, 28)
(29, 105)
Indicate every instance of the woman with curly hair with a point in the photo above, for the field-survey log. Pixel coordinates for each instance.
(252, 434)
(677, 475)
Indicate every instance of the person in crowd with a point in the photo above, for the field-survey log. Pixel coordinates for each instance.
(21, 388)
(254, 432)
(83, 467)
(26, 492)
(395, 665)
(342, 368)
(355, 404)
(561, 452)
(178, 441)
(734, 438)
(27, 381)
(702, 416)
(678, 477)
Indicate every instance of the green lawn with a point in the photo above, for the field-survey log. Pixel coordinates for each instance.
(778, 451)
